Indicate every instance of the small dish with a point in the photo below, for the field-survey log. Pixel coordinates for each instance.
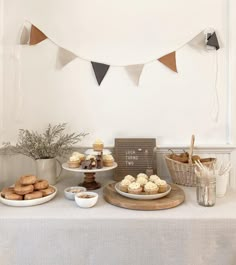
(86, 199)
(71, 191)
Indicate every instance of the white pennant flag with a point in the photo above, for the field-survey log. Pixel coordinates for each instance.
(135, 72)
(24, 35)
(64, 57)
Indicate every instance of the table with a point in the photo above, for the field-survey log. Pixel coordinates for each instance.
(61, 233)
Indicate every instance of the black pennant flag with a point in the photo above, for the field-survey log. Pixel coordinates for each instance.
(213, 41)
(100, 71)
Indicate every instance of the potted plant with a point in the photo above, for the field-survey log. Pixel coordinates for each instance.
(45, 147)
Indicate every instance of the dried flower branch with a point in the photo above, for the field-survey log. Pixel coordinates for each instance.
(52, 143)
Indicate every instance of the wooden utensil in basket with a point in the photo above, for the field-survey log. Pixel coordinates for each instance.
(184, 173)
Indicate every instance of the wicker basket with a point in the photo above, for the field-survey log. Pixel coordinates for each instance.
(184, 173)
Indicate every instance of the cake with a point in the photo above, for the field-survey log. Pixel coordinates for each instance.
(142, 175)
(108, 160)
(134, 188)
(124, 185)
(162, 185)
(98, 145)
(151, 188)
(130, 178)
(142, 181)
(74, 161)
(153, 178)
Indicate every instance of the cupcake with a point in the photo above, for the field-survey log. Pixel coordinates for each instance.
(142, 175)
(153, 178)
(162, 185)
(130, 178)
(142, 181)
(134, 188)
(73, 162)
(108, 160)
(98, 145)
(81, 156)
(124, 185)
(151, 188)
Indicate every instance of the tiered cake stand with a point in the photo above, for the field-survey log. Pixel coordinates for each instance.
(89, 175)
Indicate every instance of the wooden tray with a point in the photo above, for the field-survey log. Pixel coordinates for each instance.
(173, 199)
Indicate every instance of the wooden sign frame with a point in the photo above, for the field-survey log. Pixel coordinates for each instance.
(134, 156)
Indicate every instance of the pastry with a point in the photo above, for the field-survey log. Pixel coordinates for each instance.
(134, 188)
(98, 145)
(124, 185)
(23, 189)
(27, 180)
(108, 160)
(151, 188)
(142, 181)
(33, 195)
(74, 161)
(41, 184)
(79, 155)
(8, 190)
(153, 178)
(13, 196)
(130, 178)
(162, 185)
(47, 191)
(142, 175)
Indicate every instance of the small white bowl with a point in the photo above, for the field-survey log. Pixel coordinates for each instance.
(86, 199)
(71, 191)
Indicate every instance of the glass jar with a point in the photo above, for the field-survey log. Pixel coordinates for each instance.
(206, 191)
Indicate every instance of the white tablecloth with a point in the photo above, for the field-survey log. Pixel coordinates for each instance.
(60, 233)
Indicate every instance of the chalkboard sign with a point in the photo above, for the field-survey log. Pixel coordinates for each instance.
(134, 156)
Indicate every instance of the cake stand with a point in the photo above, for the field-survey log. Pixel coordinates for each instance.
(89, 175)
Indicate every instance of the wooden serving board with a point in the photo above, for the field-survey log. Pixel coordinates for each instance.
(173, 199)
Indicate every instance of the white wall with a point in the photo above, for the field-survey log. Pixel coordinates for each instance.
(167, 106)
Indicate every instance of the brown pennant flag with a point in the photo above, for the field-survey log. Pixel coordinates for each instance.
(36, 36)
(169, 60)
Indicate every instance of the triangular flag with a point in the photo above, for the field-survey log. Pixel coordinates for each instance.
(198, 41)
(24, 35)
(36, 36)
(213, 41)
(100, 71)
(64, 57)
(135, 72)
(169, 61)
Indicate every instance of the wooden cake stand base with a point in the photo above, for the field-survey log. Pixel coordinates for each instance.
(90, 182)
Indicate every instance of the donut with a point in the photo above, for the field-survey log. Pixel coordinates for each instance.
(13, 196)
(22, 190)
(27, 180)
(47, 191)
(33, 195)
(8, 190)
(41, 184)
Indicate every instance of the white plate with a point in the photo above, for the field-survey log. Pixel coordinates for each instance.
(23, 203)
(142, 196)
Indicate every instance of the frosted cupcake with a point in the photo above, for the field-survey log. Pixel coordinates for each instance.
(134, 188)
(153, 178)
(162, 185)
(79, 155)
(124, 185)
(98, 145)
(130, 178)
(108, 160)
(142, 175)
(142, 181)
(74, 162)
(151, 188)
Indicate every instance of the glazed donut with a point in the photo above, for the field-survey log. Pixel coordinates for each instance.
(27, 180)
(47, 191)
(13, 196)
(33, 195)
(22, 190)
(41, 184)
(8, 190)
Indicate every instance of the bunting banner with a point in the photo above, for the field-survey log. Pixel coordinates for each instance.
(207, 39)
